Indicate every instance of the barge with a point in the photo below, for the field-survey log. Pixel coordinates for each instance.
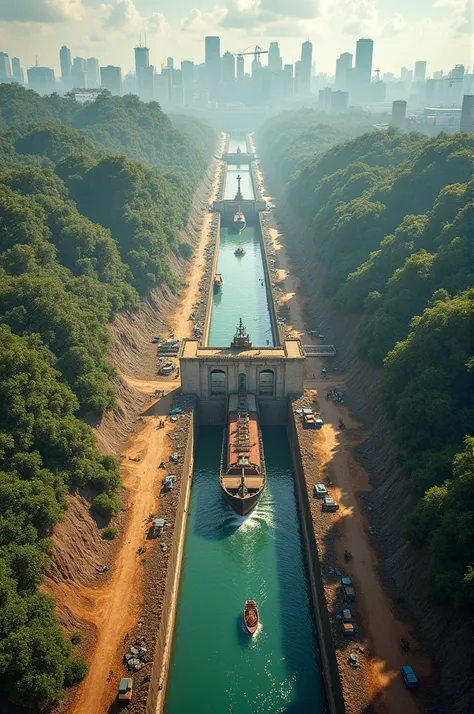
(242, 475)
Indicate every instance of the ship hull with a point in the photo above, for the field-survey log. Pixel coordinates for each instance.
(242, 506)
(239, 226)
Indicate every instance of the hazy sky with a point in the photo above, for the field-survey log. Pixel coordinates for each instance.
(439, 31)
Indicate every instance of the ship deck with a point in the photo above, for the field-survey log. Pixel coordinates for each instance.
(253, 483)
(243, 436)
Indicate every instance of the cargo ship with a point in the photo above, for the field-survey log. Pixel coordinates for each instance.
(242, 474)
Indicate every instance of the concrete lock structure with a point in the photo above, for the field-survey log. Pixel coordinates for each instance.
(273, 374)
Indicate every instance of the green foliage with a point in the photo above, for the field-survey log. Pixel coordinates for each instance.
(390, 216)
(105, 505)
(186, 250)
(76, 637)
(81, 232)
(109, 533)
(75, 671)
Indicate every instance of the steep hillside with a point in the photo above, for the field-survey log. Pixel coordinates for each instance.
(84, 235)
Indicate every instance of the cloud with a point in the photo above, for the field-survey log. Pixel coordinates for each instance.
(123, 14)
(201, 22)
(41, 10)
(262, 13)
(461, 14)
(125, 17)
(306, 9)
(360, 16)
(286, 29)
(394, 26)
(157, 22)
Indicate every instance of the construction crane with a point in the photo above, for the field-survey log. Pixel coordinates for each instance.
(256, 52)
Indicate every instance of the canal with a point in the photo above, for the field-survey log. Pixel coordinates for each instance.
(215, 667)
(243, 292)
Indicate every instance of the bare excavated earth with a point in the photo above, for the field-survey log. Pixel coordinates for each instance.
(78, 550)
(444, 633)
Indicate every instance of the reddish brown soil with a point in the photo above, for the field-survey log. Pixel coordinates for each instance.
(444, 633)
(378, 683)
(104, 608)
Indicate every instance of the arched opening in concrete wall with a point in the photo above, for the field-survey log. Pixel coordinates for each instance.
(218, 382)
(242, 383)
(266, 383)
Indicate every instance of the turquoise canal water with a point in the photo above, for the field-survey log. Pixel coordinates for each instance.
(243, 293)
(216, 668)
(237, 141)
(246, 183)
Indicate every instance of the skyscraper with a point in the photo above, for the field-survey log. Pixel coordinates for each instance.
(363, 61)
(399, 110)
(187, 72)
(41, 80)
(17, 71)
(111, 79)
(170, 62)
(240, 67)
(420, 71)
(5, 69)
(275, 63)
(306, 64)
(467, 114)
(343, 65)
(339, 102)
(228, 67)
(142, 60)
(92, 72)
(288, 80)
(66, 66)
(213, 63)
(78, 73)
(147, 83)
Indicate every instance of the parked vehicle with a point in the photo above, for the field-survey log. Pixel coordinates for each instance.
(347, 629)
(125, 689)
(409, 677)
(320, 490)
(329, 505)
(349, 593)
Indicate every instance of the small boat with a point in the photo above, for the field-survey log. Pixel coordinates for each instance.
(250, 617)
(218, 282)
(239, 251)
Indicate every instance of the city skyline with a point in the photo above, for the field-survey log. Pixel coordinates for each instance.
(403, 32)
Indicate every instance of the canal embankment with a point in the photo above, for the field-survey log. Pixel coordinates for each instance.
(214, 666)
(164, 605)
(338, 456)
(304, 496)
(80, 550)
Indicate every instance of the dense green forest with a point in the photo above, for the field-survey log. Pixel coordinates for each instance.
(390, 217)
(92, 200)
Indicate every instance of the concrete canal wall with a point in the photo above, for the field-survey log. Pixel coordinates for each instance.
(210, 292)
(159, 675)
(323, 626)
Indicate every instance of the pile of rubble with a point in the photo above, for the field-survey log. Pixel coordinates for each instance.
(136, 656)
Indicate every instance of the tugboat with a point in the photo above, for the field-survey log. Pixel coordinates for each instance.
(239, 251)
(242, 472)
(218, 283)
(250, 616)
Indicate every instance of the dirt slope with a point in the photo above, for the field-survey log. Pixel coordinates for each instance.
(444, 633)
(105, 607)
